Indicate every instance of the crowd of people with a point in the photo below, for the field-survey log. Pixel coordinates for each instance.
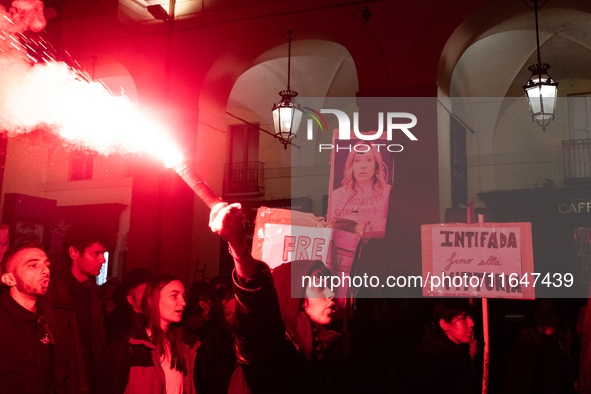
(61, 333)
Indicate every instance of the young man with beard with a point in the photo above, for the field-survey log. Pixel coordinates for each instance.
(25, 340)
(73, 310)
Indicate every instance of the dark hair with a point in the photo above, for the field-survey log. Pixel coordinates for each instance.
(10, 253)
(81, 235)
(135, 278)
(225, 292)
(449, 308)
(200, 291)
(218, 280)
(151, 316)
(446, 309)
(320, 270)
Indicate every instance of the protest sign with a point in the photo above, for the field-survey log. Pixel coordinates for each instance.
(493, 260)
(283, 235)
(362, 175)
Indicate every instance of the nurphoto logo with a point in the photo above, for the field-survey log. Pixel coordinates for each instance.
(344, 134)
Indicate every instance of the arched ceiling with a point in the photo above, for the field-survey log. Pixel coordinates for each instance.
(318, 69)
(496, 64)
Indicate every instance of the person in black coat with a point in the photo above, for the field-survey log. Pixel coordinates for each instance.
(25, 341)
(444, 355)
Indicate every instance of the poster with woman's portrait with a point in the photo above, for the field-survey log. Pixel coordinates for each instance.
(362, 175)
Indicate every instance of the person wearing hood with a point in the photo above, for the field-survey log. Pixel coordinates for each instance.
(281, 339)
(25, 341)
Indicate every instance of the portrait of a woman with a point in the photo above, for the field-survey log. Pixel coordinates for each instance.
(364, 194)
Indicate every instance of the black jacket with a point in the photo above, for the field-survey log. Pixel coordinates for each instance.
(540, 364)
(444, 367)
(25, 347)
(273, 336)
(69, 370)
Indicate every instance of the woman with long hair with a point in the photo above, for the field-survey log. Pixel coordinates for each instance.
(364, 194)
(157, 356)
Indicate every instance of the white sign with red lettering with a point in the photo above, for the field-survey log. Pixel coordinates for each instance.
(283, 243)
(282, 235)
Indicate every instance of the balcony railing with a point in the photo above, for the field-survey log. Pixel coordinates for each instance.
(244, 178)
(577, 161)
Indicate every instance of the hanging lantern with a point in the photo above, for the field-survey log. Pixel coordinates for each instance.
(541, 89)
(287, 114)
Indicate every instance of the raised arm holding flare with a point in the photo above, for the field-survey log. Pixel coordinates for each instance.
(282, 343)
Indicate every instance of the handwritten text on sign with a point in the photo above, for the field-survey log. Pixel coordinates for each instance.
(477, 252)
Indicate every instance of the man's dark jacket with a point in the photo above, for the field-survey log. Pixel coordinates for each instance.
(69, 375)
(444, 366)
(25, 347)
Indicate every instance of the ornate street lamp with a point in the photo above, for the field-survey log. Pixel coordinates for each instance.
(541, 89)
(287, 114)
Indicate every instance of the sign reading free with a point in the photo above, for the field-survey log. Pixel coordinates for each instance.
(282, 235)
(477, 260)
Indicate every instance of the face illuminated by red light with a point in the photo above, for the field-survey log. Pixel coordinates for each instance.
(319, 303)
(172, 303)
(30, 273)
(460, 329)
(89, 262)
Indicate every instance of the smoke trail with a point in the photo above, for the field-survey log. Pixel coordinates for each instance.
(38, 91)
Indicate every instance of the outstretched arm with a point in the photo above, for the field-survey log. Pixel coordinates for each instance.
(226, 221)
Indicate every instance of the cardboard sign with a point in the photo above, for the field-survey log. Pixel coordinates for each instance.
(282, 235)
(492, 260)
(361, 177)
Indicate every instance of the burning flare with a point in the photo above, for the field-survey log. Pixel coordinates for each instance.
(38, 91)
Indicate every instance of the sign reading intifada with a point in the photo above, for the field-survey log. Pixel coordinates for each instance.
(493, 260)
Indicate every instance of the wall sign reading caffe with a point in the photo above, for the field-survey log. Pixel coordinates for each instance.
(575, 207)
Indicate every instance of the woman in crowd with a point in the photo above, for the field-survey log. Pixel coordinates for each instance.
(283, 344)
(364, 194)
(542, 361)
(158, 355)
(444, 354)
